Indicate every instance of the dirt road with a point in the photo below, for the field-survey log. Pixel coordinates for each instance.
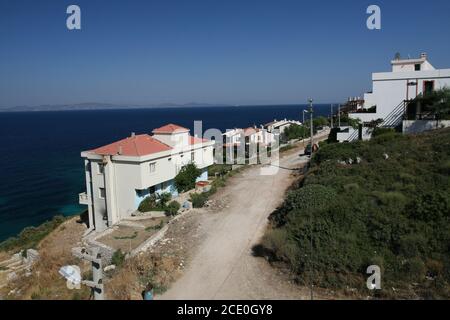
(222, 266)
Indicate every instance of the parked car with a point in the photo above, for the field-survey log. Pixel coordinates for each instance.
(308, 149)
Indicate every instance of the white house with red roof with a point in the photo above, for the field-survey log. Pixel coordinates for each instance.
(121, 174)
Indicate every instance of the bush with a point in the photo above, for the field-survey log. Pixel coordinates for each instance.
(302, 199)
(164, 198)
(172, 208)
(185, 179)
(148, 204)
(295, 131)
(380, 131)
(219, 169)
(31, 236)
(198, 199)
(118, 258)
(392, 212)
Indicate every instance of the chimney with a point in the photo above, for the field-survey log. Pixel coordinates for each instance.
(424, 55)
(120, 150)
(133, 134)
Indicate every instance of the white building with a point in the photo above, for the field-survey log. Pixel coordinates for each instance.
(408, 79)
(280, 125)
(391, 92)
(121, 174)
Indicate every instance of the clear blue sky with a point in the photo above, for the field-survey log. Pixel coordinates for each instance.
(216, 51)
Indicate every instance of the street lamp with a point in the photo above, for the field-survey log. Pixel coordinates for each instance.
(304, 111)
(331, 116)
(311, 111)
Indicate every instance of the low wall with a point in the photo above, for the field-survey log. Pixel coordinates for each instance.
(417, 126)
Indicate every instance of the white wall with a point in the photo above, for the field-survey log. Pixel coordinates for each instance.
(390, 89)
(124, 175)
(175, 140)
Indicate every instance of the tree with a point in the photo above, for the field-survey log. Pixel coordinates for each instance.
(320, 122)
(295, 131)
(436, 103)
(185, 179)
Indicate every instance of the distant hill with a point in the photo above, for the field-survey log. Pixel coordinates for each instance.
(101, 106)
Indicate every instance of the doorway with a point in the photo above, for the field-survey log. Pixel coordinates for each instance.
(428, 87)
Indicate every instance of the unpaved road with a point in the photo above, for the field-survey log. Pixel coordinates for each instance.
(222, 266)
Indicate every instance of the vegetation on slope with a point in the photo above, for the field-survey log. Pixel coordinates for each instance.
(31, 236)
(384, 202)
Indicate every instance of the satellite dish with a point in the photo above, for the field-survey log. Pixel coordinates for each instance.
(71, 273)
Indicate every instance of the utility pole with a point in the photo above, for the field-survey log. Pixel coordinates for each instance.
(311, 111)
(97, 272)
(339, 115)
(311, 117)
(331, 116)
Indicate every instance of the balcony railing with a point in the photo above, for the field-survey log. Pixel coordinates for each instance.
(83, 198)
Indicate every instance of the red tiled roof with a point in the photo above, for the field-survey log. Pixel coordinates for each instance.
(195, 140)
(139, 145)
(170, 128)
(249, 131)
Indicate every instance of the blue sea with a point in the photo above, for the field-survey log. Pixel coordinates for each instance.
(41, 168)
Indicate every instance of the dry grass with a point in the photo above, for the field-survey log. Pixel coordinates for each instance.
(128, 238)
(128, 282)
(55, 252)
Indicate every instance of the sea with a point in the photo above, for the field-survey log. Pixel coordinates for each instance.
(41, 170)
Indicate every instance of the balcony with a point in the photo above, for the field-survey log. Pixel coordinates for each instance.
(83, 198)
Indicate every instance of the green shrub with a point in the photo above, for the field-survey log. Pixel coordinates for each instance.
(148, 204)
(164, 198)
(394, 213)
(219, 169)
(118, 258)
(172, 208)
(295, 131)
(185, 179)
(198, 199)
(378, 131)
(309, 197)
(31, 236)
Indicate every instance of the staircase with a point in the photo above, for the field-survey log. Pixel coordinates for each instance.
(354, 136)
(395, 117)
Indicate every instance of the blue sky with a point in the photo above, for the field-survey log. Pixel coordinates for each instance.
(215, 51)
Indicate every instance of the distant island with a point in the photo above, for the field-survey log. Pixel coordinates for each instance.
(103, 106)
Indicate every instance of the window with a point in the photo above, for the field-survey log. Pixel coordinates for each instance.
(101, 193)
(192, 156)
(428, 87)
(417, 67)
(100, 168)
(152, 167)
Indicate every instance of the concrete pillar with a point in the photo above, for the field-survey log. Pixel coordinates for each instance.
(111, 208)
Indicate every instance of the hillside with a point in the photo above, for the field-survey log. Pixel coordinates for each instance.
(384, 202)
